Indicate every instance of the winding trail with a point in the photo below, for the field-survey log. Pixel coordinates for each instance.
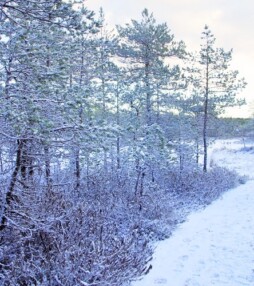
(215, 246)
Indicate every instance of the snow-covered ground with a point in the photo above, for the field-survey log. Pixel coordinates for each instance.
(235, 155)
(215, 246)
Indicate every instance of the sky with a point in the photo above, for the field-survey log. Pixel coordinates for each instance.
(231, 22)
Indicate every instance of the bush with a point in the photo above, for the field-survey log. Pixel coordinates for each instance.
(101, 234)
(55, 237)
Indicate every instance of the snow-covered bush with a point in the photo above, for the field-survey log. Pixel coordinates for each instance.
(100, 234)
(55, 237)
(194, 189)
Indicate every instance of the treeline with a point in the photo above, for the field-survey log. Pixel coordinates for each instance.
(234, 127)
(97, 129)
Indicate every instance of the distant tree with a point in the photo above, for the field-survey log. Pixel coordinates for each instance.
(216, 82)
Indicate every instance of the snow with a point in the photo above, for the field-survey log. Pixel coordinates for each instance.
(215, 246)
(232, 154)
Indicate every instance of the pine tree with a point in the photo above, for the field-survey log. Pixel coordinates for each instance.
(145, 46)
(146, 49)
(33, 76)
(218, 84)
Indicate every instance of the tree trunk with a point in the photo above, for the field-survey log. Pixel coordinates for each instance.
(1, 162)
(9, 195)
(206, 117)
(47, 168)
(118, 137)
(148, 95)
(77, 168)
(197, 151)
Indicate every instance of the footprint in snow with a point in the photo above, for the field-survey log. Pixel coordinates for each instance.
(160, 281)
(185, 257)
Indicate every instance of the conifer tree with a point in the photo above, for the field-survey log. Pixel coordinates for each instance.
(145, 47)
(217, 83)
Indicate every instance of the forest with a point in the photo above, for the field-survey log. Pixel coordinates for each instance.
(104, 137)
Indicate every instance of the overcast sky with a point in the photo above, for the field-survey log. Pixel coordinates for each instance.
(231, 21)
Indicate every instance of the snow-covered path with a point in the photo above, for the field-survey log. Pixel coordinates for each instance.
(214, 246)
